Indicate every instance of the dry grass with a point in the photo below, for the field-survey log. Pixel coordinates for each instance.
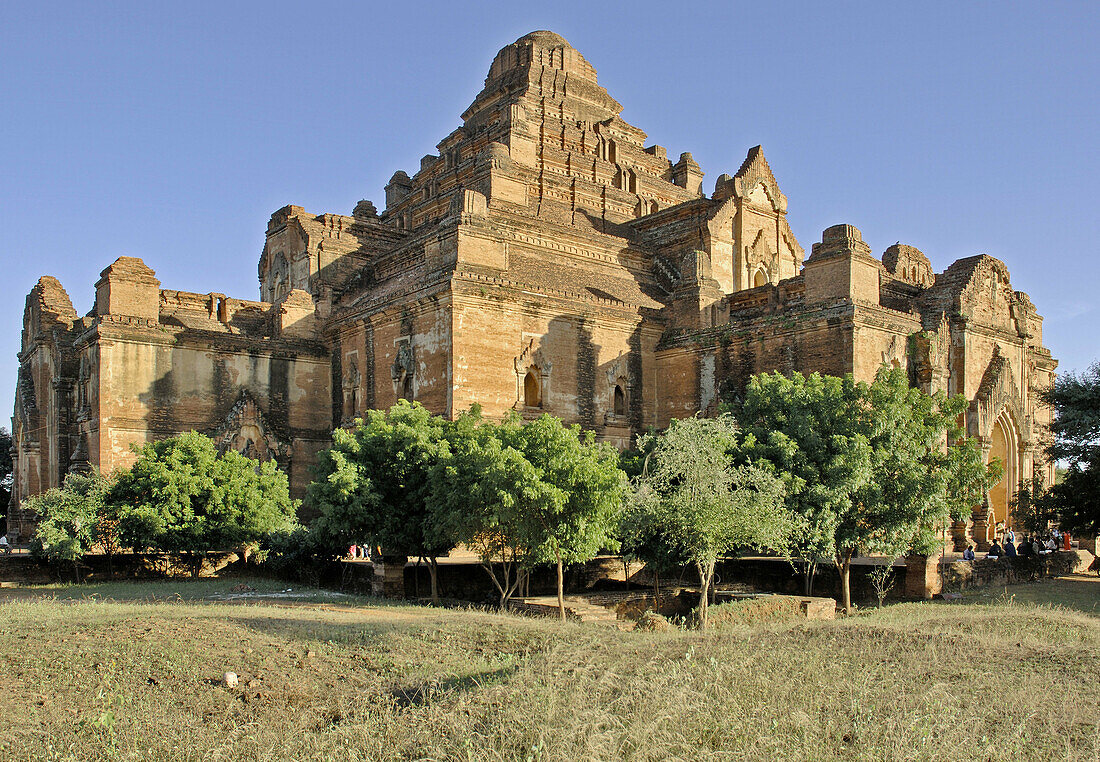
(92, 679)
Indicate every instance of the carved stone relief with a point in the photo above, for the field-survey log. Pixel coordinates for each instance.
(246, 430)
(403, 370)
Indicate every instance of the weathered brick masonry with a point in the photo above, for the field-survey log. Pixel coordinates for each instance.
(545, 259)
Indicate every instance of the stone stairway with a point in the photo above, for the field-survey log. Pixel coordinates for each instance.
(576, 608)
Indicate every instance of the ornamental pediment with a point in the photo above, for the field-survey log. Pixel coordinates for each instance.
(246, 430)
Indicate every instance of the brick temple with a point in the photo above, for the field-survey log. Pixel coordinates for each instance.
(543, 259)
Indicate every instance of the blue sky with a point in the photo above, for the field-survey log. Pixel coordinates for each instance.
(172, 131)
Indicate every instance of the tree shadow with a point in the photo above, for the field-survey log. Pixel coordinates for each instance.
(365, 633)
(420, 694)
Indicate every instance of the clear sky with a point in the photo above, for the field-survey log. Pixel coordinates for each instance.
(171, 131)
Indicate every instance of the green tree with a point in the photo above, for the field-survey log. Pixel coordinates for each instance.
(1033, 512)
(70, 518)
(641, 538)
(925, 471)
(699, 501)
(1075, 499)
(808, 428)
(373, 483)
(589, 486)
(183, 496)
(871, 468)
(486, 495)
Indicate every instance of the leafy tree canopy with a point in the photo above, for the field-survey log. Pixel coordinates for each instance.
(878, 467)
(693, 496)
(372, 484)
(585, 475)
(69, 517)
(182, 495)
(1075, 499)
(486, 495)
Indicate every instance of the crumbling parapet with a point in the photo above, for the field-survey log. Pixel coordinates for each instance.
(128, 288)
(841, 268)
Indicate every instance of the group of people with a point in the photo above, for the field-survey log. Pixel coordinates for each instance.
(1029, 546)
(361, 550)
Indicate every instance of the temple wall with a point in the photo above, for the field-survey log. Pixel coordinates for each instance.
(147, 390)
(576, 354)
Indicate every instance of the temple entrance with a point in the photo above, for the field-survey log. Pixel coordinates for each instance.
(1003, 448)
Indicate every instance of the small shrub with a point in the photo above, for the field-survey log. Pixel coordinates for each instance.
(651, 621)
(882, 579)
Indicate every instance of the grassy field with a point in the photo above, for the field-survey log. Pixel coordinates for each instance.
(133, 671)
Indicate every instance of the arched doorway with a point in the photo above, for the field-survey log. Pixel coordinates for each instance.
(759, 279)
(532, 394)
(619, 401)
(1002, 446)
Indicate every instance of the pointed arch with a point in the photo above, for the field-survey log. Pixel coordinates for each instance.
(1004, 445)
(532, 388)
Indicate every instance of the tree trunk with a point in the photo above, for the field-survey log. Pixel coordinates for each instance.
(488, 567)
(433, 569)
(706, 574)
(561, 590)
(809, 570)
(844, 565)
(656, 591)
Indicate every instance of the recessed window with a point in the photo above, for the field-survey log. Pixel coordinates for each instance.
(619, 401)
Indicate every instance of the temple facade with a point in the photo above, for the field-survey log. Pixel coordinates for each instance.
(543, 259)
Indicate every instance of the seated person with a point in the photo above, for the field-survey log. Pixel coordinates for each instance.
(1010, 549)
(1023, 550)
(995, 550)
(968, 554)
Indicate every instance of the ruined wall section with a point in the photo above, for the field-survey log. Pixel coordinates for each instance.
(830, 319)
(161, 362)
(42, 423)
(770, 328)
(390, 328)
(149, 363)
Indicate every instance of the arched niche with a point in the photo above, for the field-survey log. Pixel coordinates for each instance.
(760, 278)
(532, 389)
